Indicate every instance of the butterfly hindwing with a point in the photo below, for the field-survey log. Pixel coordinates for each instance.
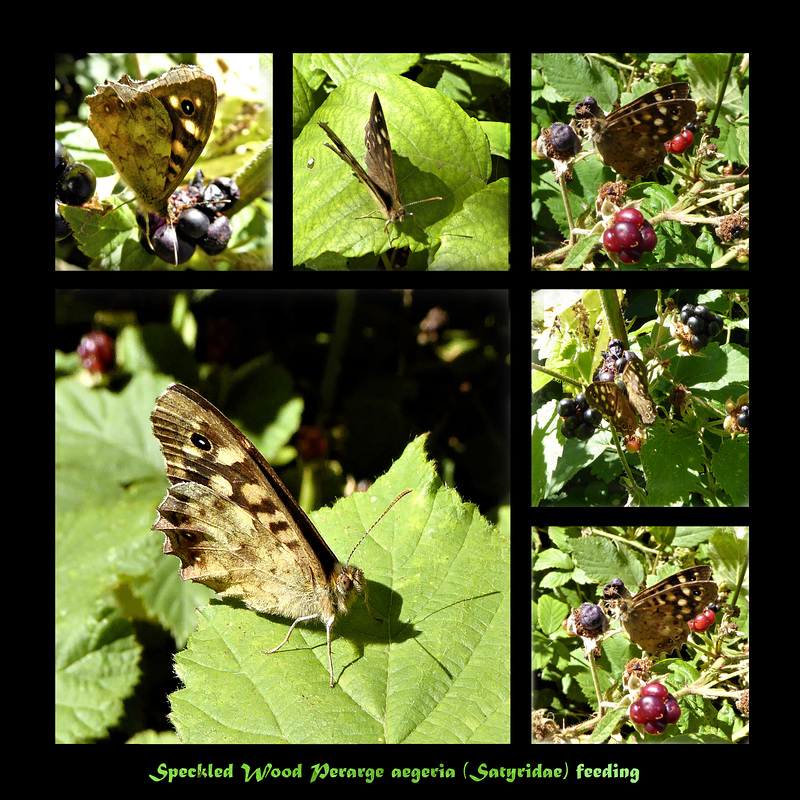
(609, 399)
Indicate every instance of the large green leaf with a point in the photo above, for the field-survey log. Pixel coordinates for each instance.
(435, 669)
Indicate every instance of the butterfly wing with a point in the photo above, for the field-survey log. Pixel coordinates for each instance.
(635, 378)
(607, 398)
(631, 138)
(229, 517)
(341, 150)
(656, 618)
(380, 161)
(154, 131)
(190, 96)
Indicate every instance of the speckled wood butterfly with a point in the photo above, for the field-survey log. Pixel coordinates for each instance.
(656, 617)
(154, 131)
(631, 139)
(622, 399)
(236, 528)
(380, 177)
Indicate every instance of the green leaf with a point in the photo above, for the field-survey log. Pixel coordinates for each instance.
(436, 669)
(438, 151)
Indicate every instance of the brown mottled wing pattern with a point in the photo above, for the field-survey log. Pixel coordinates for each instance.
(229, 518)
(154, 131)
(382, 200)
(635, 378)
(656, 617)
(631, 139)
(607, 398)
(622, 400)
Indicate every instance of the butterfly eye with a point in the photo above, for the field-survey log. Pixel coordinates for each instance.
(200, 442)
(344, 584)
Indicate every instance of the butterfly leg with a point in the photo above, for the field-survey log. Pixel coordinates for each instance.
(328, 627)
(294, 625)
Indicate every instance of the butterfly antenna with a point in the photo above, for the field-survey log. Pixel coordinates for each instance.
(399, 497)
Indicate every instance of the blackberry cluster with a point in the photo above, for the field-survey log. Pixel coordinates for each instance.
(96, 352)
(655, 709)
(580, 421)
(697, 327)
(702, 622)
(200, 221)
(75, 184)
(592, 617)
(587, 621)
(615, 590)
(738, 419)
(564, 140)
(630, 236)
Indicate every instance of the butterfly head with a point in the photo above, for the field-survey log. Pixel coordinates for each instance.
(349, 583)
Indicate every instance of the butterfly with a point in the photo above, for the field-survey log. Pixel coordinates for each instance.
(656, 617)
(380, 178)
(623, 398)
(631, 139)
(236, 528)
(153, 131)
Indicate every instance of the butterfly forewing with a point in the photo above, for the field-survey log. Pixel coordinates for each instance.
(153, 131)
(341, 150)
(234, 525)
(380, 162)
(635, 378)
